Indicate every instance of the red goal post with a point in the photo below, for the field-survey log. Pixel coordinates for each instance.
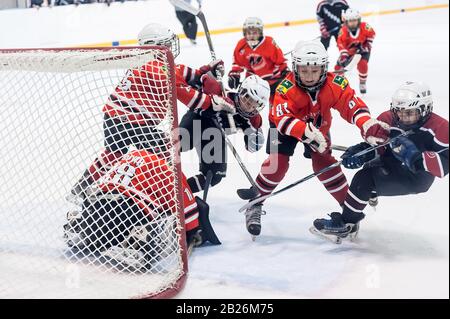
(52, 118)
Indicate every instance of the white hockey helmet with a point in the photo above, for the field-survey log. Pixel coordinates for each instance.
(310, 53)
(156, 34)
(253, 23)
(352, 15)
(253, 95)
(412, 96)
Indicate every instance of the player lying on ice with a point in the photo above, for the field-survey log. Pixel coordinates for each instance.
(130, 217)
(201, 130)
(407, 166)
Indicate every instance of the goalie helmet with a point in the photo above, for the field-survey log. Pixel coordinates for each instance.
(310, 53)
(253, 96)
(253, 23)
(412, 105)
(156, 34)
(352, 15)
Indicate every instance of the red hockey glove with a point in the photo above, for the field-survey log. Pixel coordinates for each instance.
(216, 67)
(210, 85)
(375, 132)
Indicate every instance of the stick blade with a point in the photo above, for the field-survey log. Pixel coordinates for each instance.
(185, 6)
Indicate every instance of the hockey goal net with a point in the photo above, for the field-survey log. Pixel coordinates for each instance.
(101, 242)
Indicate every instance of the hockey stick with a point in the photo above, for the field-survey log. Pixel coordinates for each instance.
(260, 199)
(235, 153)
(339, 148)
(198, 13)
(201, 16)
(355, 60)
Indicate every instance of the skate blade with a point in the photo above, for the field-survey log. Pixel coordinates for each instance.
(332, 238)
(253, 238)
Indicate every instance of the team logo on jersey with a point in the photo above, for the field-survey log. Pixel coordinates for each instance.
(368, 27)
(164, 69)
(256, 61)
(285, 86)
(341, 81)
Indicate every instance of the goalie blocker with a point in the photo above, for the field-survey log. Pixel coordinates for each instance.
(130, 218)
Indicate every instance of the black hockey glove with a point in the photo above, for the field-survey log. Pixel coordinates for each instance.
(349, 160)
(406, 152)
(234, 80)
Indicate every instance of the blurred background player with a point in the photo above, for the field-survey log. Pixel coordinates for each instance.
(201, 131)
(138, 105)
(407, 166)
(257, 54)
(355, 37)
(302, 113)
(189, 21)
(329, 16)
(131, 216)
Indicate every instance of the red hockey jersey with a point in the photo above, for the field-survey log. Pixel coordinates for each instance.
(348, 42)
(294, 106)
(149, 181)
(266, 60)
(142, 95)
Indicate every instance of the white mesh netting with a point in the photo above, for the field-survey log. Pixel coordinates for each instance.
(89, 189)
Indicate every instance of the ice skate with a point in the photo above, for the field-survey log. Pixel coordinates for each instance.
(253, 220)
(334, 229)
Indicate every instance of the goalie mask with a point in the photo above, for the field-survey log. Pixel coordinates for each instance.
(156, 34)
(412, 105)
(112, 223)
(253, 96)
(253, 31)
(310, 65)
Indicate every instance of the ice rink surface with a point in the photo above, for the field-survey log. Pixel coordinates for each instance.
(403, 248)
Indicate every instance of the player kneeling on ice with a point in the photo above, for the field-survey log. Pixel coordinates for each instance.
(201, 128)
(355, 38)
(407, 166)
(131, 218)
